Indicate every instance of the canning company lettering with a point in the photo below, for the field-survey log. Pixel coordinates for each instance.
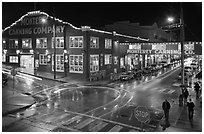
(33, 21)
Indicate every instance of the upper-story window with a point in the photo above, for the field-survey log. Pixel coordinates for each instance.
(3, 43)
(13, 59)
(94, 42)
(27, 43)
(13, 43)
(108, 43)
(76, 42)
(41, 43)
(59, 42)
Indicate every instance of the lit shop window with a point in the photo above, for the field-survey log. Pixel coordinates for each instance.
(59, 42)
(94, 42)
(26, 43)
(108, 59)
(108, 43)
(76, 42)
(59, 63)
(13, 43)
(3, 43)
(41, 43)
(43, 59)
(3, 57)
(13, 59)
(94, 63)
(76, 64)
(122, 65)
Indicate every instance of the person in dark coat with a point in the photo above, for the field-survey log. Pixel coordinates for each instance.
(185, 95)
(197, 88)
(166, 107)
(190, 106)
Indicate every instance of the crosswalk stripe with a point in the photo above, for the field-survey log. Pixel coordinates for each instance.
(171, 91)
(84, 123)
(116, 128)
(162, 90)
(98, 127)
(72, 120)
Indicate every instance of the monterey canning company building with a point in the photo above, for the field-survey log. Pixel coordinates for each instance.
(79, 52)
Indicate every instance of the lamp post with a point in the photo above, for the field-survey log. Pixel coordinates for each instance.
(54, 40)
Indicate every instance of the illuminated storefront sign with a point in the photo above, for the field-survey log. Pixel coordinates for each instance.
(163, 48)
(36, 30)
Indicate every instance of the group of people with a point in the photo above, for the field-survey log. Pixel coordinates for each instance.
(183, 97)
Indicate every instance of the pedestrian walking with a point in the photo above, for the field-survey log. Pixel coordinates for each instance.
(185, 95)
(197, 89)
(166, 107)
(190, 106)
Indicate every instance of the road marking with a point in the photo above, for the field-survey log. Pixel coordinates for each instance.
(171, 91)
(133, 130)
(84, 123)
(176, 84)
(98, 127)
(162, 90)
(116, 128)
(73, 119)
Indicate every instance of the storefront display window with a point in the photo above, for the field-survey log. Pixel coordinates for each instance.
(94, 42)
(76, 42)
(3, 43)
(76, 64)
(59, 42)
(41, 43)
(94, 63)
(43, 59)
(13, 43)
(13, 59)
(59, 63)
(3, 57)
(108, 43)
(122, 65)
(108, 59)
(26, 43)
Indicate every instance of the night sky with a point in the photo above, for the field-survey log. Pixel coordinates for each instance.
(99, 14)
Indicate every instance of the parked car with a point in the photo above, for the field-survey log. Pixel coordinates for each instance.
(194, 65)
(127, 75)
(4, 78)
(155, 67)
(147, 70)
(186, 75)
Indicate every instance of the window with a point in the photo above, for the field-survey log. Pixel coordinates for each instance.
(94, 63)
(94, 42)
(76, 64)
(76, 42)
(108, 59)
(3, 43)
(108, 43)
(3, 57)
(59, 42)
(13, 43)
(59, 63)
(41, 43)
(13, 59)
(43, 59)
(26, 43)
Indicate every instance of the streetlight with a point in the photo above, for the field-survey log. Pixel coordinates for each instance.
(182, 38)
(44, 20)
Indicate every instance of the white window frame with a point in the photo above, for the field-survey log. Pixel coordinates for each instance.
(76, 44)
(3, 57)
(30, 45)
(42, 59)
(95, 66)
(74, 64)
(108, 43)
(13, 59)
(58, 63)
(16, 43)
(94, 45)
(108, 59)
(61, 42)
(44, 45)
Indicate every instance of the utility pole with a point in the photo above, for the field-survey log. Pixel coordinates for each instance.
(182, 38)
(54, 43)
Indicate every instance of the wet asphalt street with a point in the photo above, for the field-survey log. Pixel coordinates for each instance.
(72, 107)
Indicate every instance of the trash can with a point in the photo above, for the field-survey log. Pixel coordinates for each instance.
(180, 100)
